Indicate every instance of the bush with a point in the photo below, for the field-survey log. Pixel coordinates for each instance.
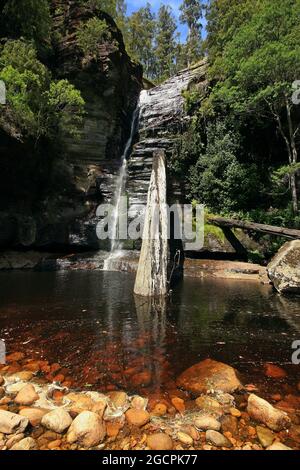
(91, 34)
(218, 179)
(39, 106)
(27, 18)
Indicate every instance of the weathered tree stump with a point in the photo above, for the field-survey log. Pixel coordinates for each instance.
(151, 279)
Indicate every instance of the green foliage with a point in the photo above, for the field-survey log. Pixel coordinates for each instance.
(108, 6)
(141, 28)
(91, 34)
(40, 106)
(257, 65)
(218, 177)
(64, 105)
(254, 49)
(27, 18)
(283, 173)
(191, 15)
(224, 18)
(186, 152)
(165, 43)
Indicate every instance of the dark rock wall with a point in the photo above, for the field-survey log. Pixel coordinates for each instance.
(49, 196)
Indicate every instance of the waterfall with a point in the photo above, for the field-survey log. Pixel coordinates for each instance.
(116, 244)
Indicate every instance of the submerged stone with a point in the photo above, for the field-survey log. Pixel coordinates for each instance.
(208, 375)
(265, 436)
(207, 422)
(159, 441)
(217, 439)
(263, 412)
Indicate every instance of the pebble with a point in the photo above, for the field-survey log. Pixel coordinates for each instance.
(235, 412)
(217, 439)
(24, 375)
(137, 417)
(113, 428)
(139, 403)
(209, 405)
(278, 446)
(54, 444)
(191, 431)
(34, 415)
(160, 409)
(229, 423)
(87, 429)
(207, 422)
(25, 444)
(11, 423)
(119, 399)
(185, 438)
(26, 396)
(57, 420)
(159, 441)
(274, 371)
(14, 439)
(262, 411)
(178, 404)
(265, 436)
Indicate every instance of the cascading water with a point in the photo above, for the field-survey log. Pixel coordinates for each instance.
(116, 244)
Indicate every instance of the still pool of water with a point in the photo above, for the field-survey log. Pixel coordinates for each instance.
(91, 323)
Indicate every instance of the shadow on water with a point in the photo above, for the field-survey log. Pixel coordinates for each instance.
(91, 323)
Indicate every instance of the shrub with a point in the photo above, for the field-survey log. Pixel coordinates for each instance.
(218, 179)
(39, 105)
(91, 34)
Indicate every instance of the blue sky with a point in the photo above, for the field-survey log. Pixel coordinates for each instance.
(134, 5)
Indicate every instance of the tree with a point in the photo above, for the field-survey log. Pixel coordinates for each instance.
(217, 177)
(165, 43)
(91, 34)
(257, 68)
(140, 42)
(191, 14)
(224, 18)
(108, 6)
(27, 18)
(115, 8)
(39, 106)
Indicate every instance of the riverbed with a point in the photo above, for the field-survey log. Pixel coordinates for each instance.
(91, 324)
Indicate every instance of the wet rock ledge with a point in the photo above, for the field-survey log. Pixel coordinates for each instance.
(40, 408)
(94, 261)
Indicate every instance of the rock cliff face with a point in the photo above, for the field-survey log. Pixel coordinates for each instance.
(109, 84)
(53, 204)
(162, 121)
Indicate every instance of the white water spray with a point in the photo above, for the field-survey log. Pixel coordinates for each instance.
(116, 243)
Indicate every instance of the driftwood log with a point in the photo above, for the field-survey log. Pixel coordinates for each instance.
(222, 222)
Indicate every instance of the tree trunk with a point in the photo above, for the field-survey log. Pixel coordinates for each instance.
(289, 233)
(294, 154)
